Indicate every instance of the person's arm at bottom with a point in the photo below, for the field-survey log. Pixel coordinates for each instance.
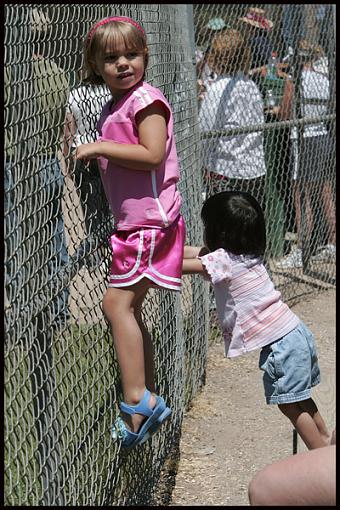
(304, 479)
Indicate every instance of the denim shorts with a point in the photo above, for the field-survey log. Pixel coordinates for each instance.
(290, 367)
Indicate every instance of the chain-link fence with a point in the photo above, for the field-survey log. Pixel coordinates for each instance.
(61, 379)
(61, 376)
(266, 80)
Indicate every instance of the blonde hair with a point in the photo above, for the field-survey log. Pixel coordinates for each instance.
(229, 53)
(111, 34)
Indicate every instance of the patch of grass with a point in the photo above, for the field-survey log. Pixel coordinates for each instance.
(78, 391)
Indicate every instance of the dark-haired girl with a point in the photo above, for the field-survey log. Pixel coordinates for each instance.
(251, 312)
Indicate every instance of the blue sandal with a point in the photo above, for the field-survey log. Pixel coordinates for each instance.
(156, 417)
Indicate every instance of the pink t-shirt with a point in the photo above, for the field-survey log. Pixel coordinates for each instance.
(250, 310)
(139, 198)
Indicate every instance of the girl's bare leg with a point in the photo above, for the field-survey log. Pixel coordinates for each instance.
(119, 308)
(306, 420)
(309, 406)
(148, 347)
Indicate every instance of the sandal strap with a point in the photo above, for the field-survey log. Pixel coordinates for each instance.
(141, 408)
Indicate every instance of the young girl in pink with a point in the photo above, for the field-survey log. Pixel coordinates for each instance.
(139, 168)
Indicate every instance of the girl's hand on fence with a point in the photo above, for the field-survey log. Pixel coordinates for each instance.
(87, 151)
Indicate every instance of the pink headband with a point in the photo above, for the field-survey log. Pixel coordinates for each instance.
(114, 18)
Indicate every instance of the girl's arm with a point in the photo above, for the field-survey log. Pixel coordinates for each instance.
(146, 155)
(192, 264)
(190, 252)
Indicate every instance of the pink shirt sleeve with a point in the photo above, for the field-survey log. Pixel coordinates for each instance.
(217, 265)
(141, 101)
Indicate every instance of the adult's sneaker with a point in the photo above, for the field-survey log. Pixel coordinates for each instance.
(291, 261)
(325, 254)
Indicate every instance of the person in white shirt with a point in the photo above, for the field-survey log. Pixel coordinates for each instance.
(84, 105)
(314, 167)
(235, 161)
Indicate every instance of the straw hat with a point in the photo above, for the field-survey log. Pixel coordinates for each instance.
(256, 18)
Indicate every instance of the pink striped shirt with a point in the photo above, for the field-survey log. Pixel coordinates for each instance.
(250, 310)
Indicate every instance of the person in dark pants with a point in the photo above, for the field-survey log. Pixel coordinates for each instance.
(313, 166)
(36, 252)
(36, 256)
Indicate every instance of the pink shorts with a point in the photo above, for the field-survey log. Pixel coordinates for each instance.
(156, 254)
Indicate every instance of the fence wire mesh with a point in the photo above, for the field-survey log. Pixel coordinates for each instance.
(61, 376)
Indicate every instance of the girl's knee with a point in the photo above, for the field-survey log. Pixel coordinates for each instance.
(109, 305)
(117, 302)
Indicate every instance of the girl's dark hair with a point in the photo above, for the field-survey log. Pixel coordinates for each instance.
(234, 221)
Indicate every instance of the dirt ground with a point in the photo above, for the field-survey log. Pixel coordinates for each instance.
(230, 432)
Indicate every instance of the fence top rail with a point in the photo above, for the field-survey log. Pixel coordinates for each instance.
(269, 125)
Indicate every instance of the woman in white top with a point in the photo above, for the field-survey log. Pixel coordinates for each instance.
(233, 101)
(84, 106)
